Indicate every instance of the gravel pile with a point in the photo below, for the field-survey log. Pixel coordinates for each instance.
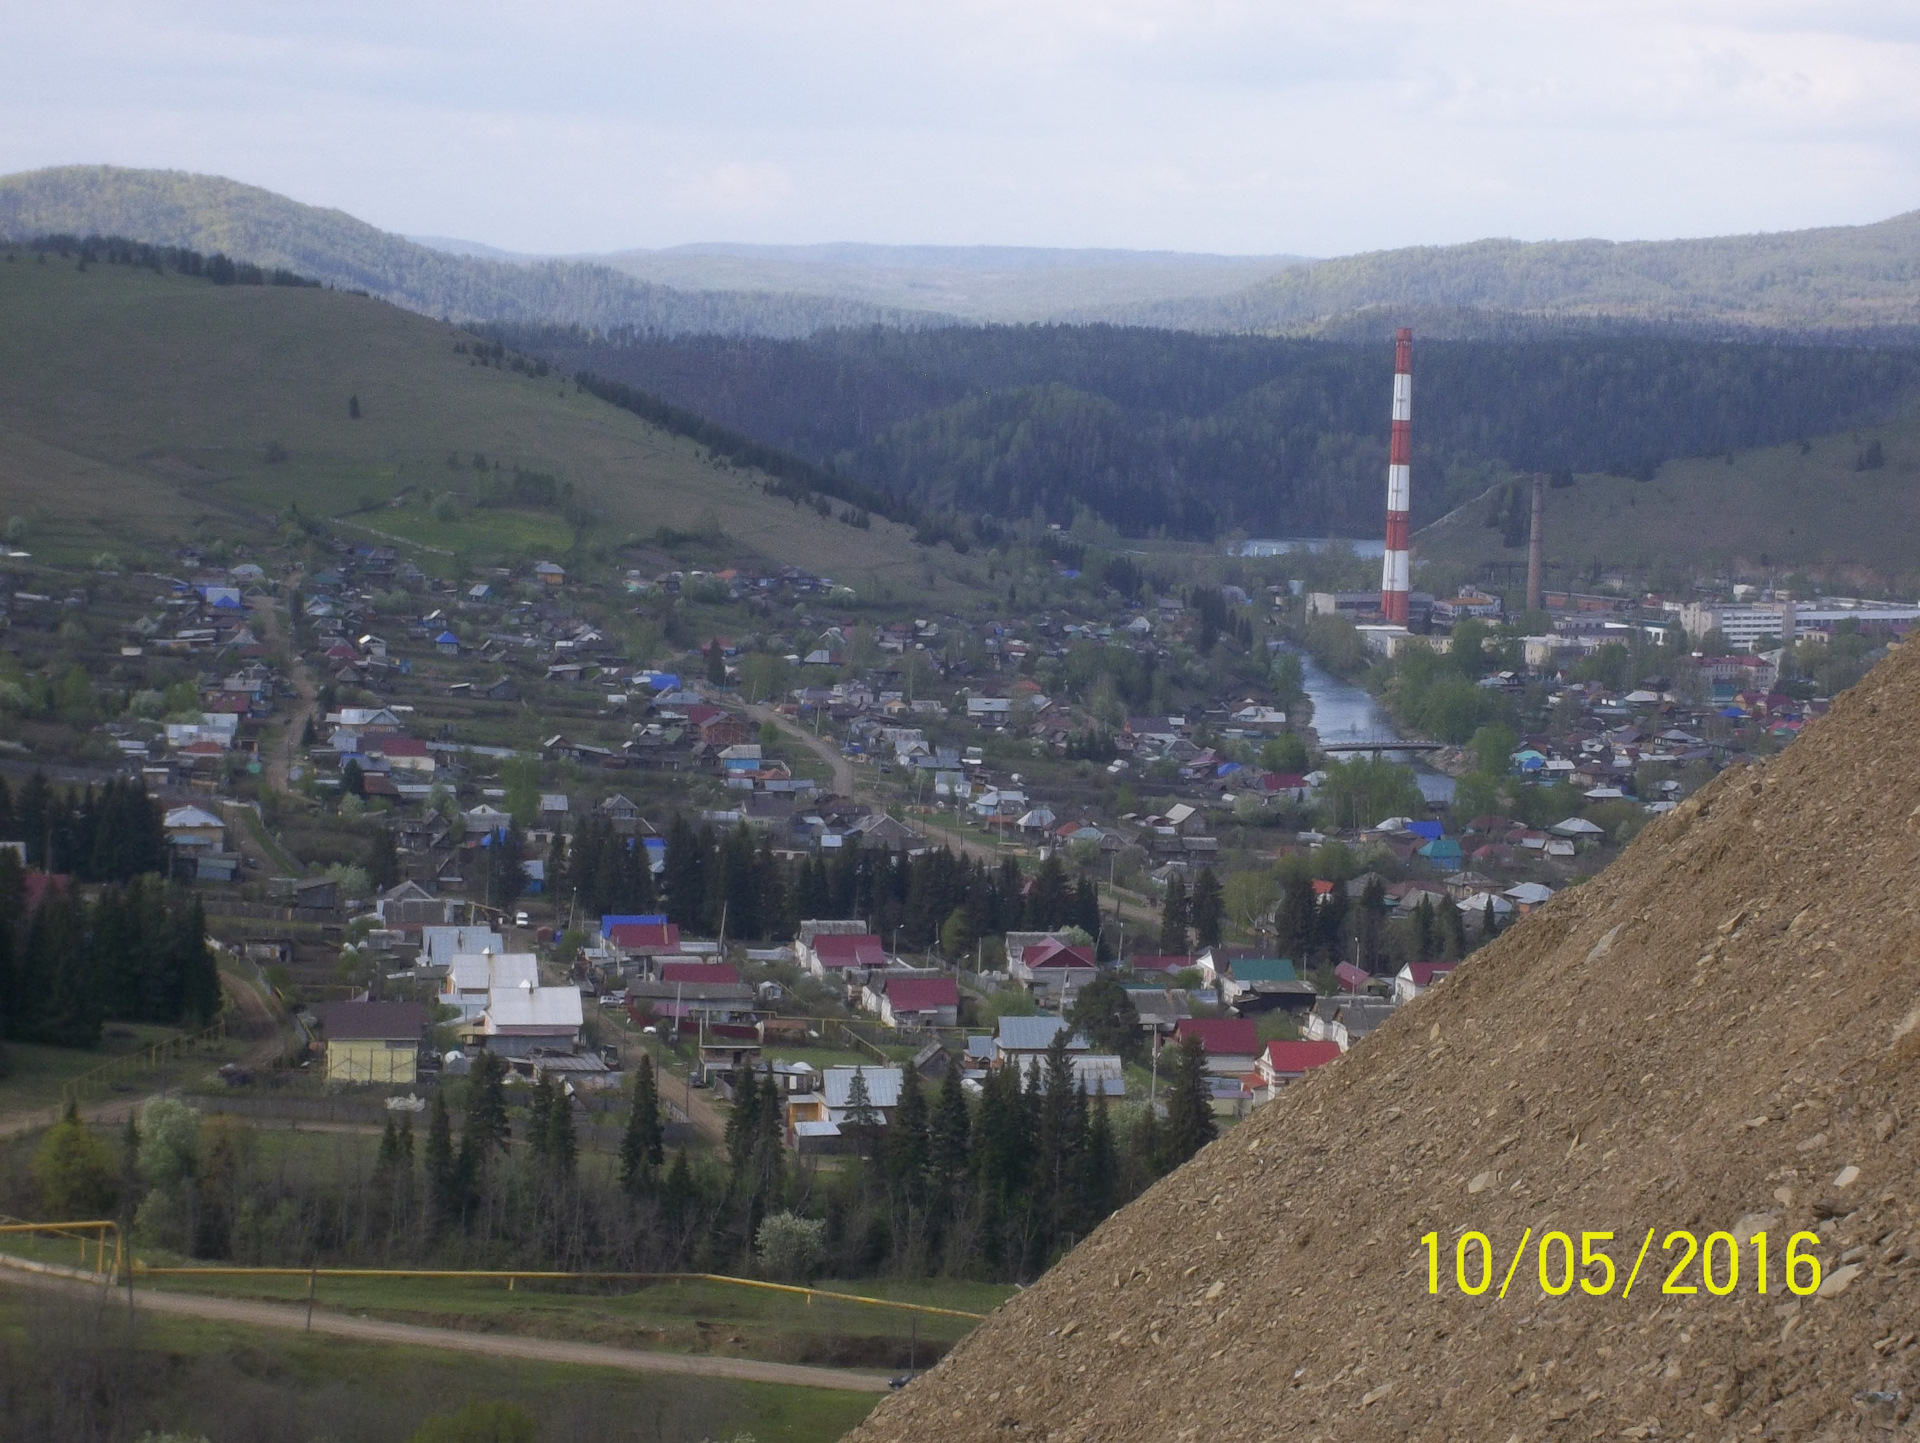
(1719, 1034)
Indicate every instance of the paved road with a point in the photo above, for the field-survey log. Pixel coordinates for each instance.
(500, 1345)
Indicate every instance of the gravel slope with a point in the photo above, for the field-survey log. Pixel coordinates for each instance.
(1714, 1034)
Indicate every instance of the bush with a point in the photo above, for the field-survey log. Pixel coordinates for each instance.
(76, 1173)
(480, 1423)
(790, 1247)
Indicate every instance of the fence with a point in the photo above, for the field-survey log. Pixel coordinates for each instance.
(152, 1058)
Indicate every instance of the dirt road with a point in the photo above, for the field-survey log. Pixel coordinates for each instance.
(822, 747)
(293, 1317)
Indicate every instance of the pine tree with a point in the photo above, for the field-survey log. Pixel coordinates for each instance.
(1190, 1124)
(1173, 918)
(1205, 909)
(642, 1148)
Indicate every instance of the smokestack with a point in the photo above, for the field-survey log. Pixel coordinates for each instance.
(1394, 568)
(1537, 548)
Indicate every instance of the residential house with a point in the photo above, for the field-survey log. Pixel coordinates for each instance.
(191, 829)
(521, 1018)
(1289, 1061)
(439, 945)
(1345, 1020)
(819, 1121)
(1022, 1042)
(1417, 977)
(378, 1042)
(472, 977)
(1053, 967)
(1231, 1043)
(917, 1000)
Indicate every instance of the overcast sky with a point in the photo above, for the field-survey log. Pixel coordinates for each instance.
(1312, 128)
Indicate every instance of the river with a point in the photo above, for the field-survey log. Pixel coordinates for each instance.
(1343, 712)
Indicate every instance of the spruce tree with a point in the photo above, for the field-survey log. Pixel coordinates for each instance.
(907, 1151)
(1100, 1165)
(1205, 909)
(863, 1119)
(642, 1148)
(948, 1130)
(1173, 918)
(1190, 1124)
(563, 1147)
(443, 1174)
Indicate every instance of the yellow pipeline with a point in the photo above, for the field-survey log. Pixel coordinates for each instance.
(515, 1274)
(99, 1229)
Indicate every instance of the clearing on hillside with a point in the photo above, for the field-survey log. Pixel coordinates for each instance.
(1715, 1036)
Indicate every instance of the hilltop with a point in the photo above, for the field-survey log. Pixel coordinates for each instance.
(1716, 1033)
(142, 408)
(212, 214)
(1838, 278)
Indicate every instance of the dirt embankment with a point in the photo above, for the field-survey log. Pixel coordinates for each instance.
(1719, 1033)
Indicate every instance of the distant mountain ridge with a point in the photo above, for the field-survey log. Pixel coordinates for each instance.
(1833, 279)
(209, 213)
(1857, 284)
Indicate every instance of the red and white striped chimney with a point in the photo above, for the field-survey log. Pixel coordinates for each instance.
(1394, 569)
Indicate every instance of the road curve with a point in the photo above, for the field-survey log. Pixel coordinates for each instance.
(500, 1345)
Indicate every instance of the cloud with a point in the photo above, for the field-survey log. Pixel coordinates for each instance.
(1249, 125)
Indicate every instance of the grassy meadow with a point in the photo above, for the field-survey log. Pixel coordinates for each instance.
(140, 410)
(68, 1368)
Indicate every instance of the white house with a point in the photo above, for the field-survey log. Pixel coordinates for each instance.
(472, 978)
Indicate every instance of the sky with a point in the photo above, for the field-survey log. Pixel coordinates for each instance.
(1317, 128)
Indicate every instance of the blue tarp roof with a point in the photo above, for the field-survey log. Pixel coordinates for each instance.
(1430, 830)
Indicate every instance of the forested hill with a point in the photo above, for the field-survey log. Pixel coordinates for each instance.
(210, 214)
(1204, 434)
(1839, 278)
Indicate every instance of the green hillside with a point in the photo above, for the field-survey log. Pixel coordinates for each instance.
(138, 408)
(1838, 277)
(1775, 512)
(208, 213)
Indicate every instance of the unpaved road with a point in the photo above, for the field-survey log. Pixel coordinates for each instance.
(499, 1345)
(822, 747)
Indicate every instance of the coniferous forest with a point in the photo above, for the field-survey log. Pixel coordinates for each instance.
(135, 951)
(1194, 435)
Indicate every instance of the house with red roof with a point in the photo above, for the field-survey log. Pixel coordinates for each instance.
(1054, 966)
(635, 940)
(1417, 977)
(699, 974)
(1232, 1043)
(848, 956)
(1165, 962)
(1289, 1061)
(903, 1001)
